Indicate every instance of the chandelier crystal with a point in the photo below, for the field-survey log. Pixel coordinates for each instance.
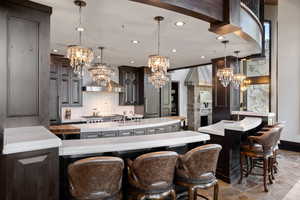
(158, 79)
(238, 79)
(158, 64)
(80, 56)
(101, 73)
(225, 74)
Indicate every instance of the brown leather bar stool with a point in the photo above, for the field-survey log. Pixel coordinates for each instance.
(96, 178)
(151, 175)
(196, 170)
(261, 148)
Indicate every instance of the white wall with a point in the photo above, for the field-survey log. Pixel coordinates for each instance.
(289, 68)
(180, 75)
(106, 102)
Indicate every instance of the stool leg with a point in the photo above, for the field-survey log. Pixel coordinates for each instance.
(192, 193)
(216, 191)
(241, 168)
(265, 174)
(173, 194)
(270, 170)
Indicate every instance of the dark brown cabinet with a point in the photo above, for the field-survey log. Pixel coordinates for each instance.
(30, 175)
(165, 100)
(65, 87)
(24, 63)
(151, 98)
(131, 79)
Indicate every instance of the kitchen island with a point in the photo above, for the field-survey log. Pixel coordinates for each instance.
(230, 134)
(122, 128)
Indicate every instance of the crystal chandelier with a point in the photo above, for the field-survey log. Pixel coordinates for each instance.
(80, 57)
(225, 74)
(158, 64)
(238, 79)
(101, 73)
(244, 85)
(158, 79)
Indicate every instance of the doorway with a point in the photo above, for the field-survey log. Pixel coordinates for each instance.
(175, 98)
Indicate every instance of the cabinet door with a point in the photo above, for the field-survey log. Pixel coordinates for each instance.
(151, 100)
(31, 175)
(54, 101)
(165, 100)
(76, 93)
(65, 91)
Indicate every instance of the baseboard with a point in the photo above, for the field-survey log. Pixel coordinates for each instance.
(290, 146)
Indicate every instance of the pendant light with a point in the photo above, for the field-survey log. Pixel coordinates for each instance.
(158, 64)
(238, 78)
(101, 73)
(225, 74)
(80, 56)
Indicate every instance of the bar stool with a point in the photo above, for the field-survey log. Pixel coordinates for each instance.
(151, 175)
(96, 178)
(261, 149)
(196, 170)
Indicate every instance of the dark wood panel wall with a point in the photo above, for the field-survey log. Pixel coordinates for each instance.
(24, 63)
(224, 99)
(223, 15)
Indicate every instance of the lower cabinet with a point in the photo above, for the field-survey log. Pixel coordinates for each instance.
(131, 132)
(30, 175)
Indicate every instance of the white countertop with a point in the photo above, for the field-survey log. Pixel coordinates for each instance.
(254, 114)
(102, 145)
(115, 126)
(25, 139)
(246, 124)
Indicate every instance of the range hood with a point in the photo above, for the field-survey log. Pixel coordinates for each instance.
(111, 87)
(199, 76)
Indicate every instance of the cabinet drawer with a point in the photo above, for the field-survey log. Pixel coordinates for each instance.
(163, 129)
(175, 127)
(151, 131)
(89, 135)
(126, 133)
(140, 132)
(109, 134)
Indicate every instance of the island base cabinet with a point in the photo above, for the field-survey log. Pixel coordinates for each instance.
(30, 175)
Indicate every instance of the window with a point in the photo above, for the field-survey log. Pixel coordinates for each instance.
(257, 96)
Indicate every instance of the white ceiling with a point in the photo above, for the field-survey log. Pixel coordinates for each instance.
(114, 23)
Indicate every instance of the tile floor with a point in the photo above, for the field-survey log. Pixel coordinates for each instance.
(252, 187)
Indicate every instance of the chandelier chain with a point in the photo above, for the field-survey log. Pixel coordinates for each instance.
(80, 22)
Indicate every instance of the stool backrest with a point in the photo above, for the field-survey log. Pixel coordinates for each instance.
(155, 170)
(269, 139)
(95, 178)
(201, 160)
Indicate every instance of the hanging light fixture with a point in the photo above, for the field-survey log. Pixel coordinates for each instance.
(158, 79)
(80, 57)
(158, 64)
(225, 74)
(101, 73)
(239, 78)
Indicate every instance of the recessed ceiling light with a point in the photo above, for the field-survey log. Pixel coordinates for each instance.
(98, 57)
(80, 29)
(55, 50)
(135, 41)
(202, 57)
(221, 37)
(132, 62)
(174, 50)
(179, 23)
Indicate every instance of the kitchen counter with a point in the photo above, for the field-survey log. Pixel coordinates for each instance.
(103, 145)
(127, 125)
(244, 125)
(25, 139)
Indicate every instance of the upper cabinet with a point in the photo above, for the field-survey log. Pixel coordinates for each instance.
(131, 79)
(24, 61)
(65, 87)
